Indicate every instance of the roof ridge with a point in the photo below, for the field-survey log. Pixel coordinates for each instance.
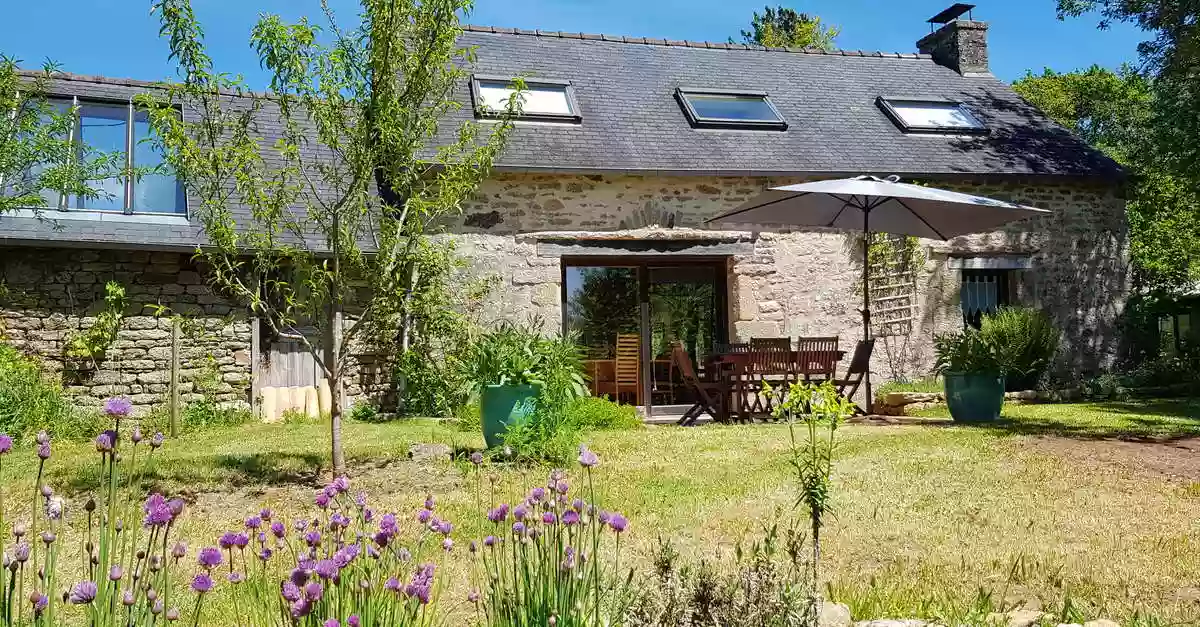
(683, 43)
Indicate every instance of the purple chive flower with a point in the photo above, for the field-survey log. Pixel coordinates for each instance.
(227, 540)
(179, 551)
(603, 517)
(447, 544)
(341, 484)
(489, 541)
(499, 514)
(54, 508)
(404, 555)
(387, 525)
(210, 557)
(313, 538)
(392, 584)
(587, 458)
(519, 528)
(158, 511)
(202, 583)
(5, 443)
(424, 515)
(333, 622)
(429, 502)
(39, 601)
(562, 487)
(82, 593)
(127, 598)
(265, 554)
(118, 406)
(49, 537)
(21, 552)
(277, 529)
(105, 441)
(240, 540)
(44, 450)
(176, 507)
(136, 435)
(326, 569)
(353, 621)
(42, 437)
(617, 522)
(549, 518)
(157, 440)
(520, 512)
(290, 591)
(444, 527)
(301, 608)
(115, 572)
(578, 505)
(570, 517)
(265, 514)
(253, 522)
(473, 596)
(314, 590)
(537, 495)
(476, 458)
(235, 578)
(360, 500)
(421, 584)
(321, 500)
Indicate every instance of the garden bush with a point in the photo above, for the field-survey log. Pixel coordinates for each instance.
(923, 384)
(1025, 341)
(591, 412)
(30, 401)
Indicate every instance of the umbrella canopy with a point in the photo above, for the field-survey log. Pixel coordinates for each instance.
(868, 203)
(875, 205)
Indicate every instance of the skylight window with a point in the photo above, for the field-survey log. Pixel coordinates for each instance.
(715, 108)
(931, 116)
(544, 100)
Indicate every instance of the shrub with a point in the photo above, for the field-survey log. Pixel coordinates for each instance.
(765, 585)
(590, 412)
(1024, 340)
(29, 401)
(551, 559)
(364, 412)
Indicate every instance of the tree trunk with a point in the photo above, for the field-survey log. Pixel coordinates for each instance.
(333, 351)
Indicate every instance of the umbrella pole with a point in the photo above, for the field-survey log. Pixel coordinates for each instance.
(866, 310)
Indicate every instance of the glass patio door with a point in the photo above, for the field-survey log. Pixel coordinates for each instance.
(627, 312)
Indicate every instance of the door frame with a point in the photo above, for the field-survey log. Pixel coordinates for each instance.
(642, 264)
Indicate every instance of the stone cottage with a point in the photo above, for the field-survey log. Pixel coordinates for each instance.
(594, 219)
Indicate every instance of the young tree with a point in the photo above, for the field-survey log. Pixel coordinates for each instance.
(784, 27)
(39, 160)
(1114, 111)
(332, 209)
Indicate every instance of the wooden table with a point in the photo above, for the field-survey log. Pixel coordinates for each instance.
(735, 366)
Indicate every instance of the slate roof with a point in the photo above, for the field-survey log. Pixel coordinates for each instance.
(632, 121)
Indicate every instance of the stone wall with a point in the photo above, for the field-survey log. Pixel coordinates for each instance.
(51, 295)
(806, 282)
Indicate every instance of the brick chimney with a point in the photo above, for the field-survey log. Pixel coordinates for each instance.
(960, 44)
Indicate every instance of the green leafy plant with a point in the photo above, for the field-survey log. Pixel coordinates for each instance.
(592, 412)
(965, 352)
(29, 400)
(93, 343)
(364, 412)
(818, 410)
(1024, 340)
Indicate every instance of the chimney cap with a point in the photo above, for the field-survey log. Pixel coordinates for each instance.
(952, 13)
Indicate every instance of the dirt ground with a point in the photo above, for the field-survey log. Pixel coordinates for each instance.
(1175, 459)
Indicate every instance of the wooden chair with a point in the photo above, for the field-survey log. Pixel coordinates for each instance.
(712, 397)
(771, 343)
(731, 347)
(628, 366)
(816, 357)
(859, 364)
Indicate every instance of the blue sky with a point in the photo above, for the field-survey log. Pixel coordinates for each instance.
(119, 37)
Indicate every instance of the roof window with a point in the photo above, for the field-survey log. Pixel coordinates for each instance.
(716, 108)
(930, 116)
(541, 99)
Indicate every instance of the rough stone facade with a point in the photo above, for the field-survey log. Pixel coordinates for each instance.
(780, 283)
(51, 295)
(807, 282)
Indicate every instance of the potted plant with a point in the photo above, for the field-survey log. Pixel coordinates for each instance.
(514, 370)
(972, 375)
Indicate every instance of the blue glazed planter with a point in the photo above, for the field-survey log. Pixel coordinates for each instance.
(502, 406)
(974, 397)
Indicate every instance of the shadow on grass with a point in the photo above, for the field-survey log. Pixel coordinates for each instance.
(222, 471)
(1162, 422)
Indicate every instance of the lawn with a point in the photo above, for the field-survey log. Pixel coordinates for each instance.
(1051, 505)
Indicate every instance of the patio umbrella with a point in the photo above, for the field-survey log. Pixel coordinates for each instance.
(876, 205)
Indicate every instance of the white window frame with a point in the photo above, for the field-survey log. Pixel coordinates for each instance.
(481, 111)
(886, 103)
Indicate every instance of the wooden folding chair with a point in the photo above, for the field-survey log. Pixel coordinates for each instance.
(712, 397)
(628, 366)
(859, 365)
(817, 357)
